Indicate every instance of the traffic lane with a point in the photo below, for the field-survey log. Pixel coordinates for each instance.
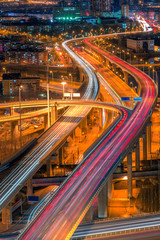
(24, 169)
(127, 144)
(144, 235)
(116, 83)
(72, 225)
(59, 199)
(132, 126)
(114, 225)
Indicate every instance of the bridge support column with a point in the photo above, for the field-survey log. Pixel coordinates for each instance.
(7, 215)
(110, 185)
(14, 132)
(81, 76)
(49, 168)
(29, 188)
(137, 156)
(103, 202)
(149, 137)
(114, 68)
(11, 111)
(54, 114)
(60, 155)
(125, 77)
(89, 215)
(45, 122)
(100, 118)
(73, 134)
(144, 146)
(84, 124)
(129, 171)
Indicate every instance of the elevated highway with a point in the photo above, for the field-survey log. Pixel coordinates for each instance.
(63, 213)
(48, 141)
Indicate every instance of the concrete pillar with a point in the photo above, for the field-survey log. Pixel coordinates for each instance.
(125, 77)
(110, 186)
(54, 114)
(84, 124)
(149, 137)
(29, 188)
(100, 118)
(7, 215)
(103, 202)
(49, 168)
(114, 68)
(45, 122)
(60, 156)
(129, 172)
(81, 76)
(144, 146)
(73, 135)
(137, 156)
(89, 215)
(14, 129)
(14, 134)
(11, 111)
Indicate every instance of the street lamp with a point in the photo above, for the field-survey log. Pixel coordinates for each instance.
(70, 75)
(51, 72)
(4, 69)
(48, 97)
(63, 83)
(20, 130)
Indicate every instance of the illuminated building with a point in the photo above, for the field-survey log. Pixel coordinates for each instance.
(100, 6)
(125, 10)
(12, 81)
(62, 14)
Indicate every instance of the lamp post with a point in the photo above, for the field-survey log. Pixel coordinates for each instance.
(20, 123)
(52, 74)
(70, 75)
(48, 97)
(63, 83)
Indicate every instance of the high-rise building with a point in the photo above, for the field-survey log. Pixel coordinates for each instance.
(100, 6)
(125, 10)
(85, 4)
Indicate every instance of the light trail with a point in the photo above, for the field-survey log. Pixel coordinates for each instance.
(72, 200)
(34, 160)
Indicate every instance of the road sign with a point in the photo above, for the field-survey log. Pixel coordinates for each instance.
(67, 94)
(76, 94)
(138, 99)
(33, 198)
(125, 99)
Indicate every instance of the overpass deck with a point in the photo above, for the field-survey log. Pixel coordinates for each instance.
(68, 206)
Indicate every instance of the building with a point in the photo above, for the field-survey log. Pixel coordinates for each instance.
(100, 6)
(139, 44)
(85, 5)
(12, 81)
(125, 10)
(67, 14)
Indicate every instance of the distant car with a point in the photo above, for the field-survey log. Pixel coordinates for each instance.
(34, 121)
(24, 126)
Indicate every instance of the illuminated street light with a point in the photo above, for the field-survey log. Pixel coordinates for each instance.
(63, 83)
(48, 98)
(4, 69)
(51, 72)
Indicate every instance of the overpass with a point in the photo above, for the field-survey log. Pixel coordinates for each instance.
(48, 142)
(63, 213)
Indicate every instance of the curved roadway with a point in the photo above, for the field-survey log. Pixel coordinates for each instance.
(49, 140)
(72, 200)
